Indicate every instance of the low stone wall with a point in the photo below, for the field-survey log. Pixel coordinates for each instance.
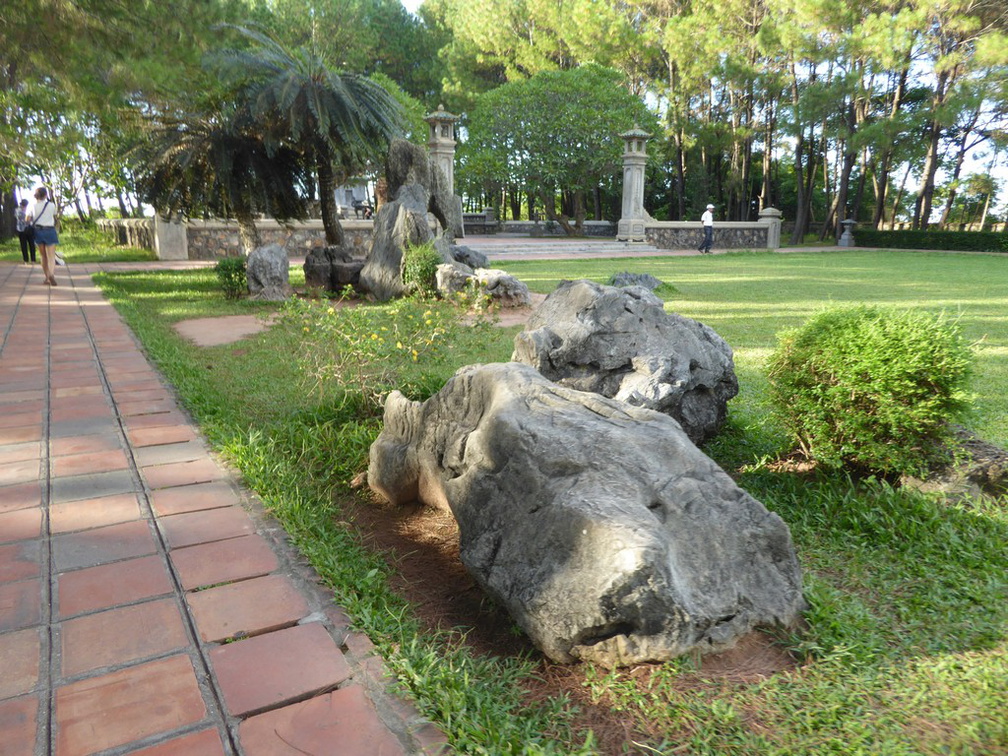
(550, 228)
(209, 240)
(688, 235)
(129, 232)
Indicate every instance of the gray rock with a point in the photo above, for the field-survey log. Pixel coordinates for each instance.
(407, 164)
(332, 268)
(620, 342)
(469, 256)
(395, 226)
(626, 278)
(602, 529)
(503, 288)
(446, 207)
(452, 278)
(268, 271)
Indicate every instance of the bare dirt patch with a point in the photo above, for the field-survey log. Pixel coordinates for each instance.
(222, 330)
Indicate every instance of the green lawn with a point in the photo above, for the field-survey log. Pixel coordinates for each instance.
(80, 246)
(905, 648)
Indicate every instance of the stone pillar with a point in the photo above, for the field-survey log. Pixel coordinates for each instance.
(847, 237)
(771, 217)
(171, 240)
(631, 224)
(441, 143)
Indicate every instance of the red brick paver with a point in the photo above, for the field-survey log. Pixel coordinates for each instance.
(145, 605)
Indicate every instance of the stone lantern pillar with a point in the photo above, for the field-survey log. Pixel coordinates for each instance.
(631, 225)
(441, 143)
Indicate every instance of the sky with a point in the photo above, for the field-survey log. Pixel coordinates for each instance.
(412, 5)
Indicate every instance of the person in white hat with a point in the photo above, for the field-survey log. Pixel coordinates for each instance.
(708, 230)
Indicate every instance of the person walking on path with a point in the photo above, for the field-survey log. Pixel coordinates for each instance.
(708, 229)
(25, 233)
(44, 218)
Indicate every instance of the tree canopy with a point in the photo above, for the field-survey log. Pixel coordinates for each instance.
(826, 109)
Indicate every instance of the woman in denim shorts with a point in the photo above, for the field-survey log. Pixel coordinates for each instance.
(44, 218)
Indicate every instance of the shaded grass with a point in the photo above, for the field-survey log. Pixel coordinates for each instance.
(905, 648)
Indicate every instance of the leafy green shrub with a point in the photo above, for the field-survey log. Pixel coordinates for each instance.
(419, 269)
(870, 389)
(964, 241)
(231, 274)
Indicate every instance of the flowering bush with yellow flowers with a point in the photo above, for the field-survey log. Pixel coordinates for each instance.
(354, 351)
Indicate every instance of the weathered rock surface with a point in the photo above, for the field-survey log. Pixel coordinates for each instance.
(332, 268)
(601, 528)
(627, 278)
(268, 272)
(403, 220)
(469, 256)
(395, 226)
(620, 342)
(504, 289)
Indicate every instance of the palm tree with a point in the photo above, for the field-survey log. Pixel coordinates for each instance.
(336, 121)
(216, 160)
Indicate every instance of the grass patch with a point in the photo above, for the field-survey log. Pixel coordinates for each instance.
(905, 650)
(81, 245)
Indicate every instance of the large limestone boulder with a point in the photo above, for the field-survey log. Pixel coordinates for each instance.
(397, 224)
(620, 342)
(601, 527)
(268, 273)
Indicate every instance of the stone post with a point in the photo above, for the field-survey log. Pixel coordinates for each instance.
(631, 224)
(442, 143)
(771, 217)
(847, 237)
(171, 240)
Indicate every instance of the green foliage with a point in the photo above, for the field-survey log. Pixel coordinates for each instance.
(556, 132)
(419, 269)
(869, 388)
(232, 276)
(965, 241)
(358, 352)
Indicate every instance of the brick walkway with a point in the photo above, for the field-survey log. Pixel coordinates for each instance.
(129, 558)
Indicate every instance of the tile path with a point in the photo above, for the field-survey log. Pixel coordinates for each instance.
(147, 606)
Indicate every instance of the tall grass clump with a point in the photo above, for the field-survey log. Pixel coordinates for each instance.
(871, 389)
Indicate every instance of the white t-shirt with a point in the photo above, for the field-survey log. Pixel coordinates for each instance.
(44, 215)
(707, 218)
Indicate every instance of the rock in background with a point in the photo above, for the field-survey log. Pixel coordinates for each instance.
(268, 272)
(332, 268)
(620, 342)
(400, 222)
(602, 529)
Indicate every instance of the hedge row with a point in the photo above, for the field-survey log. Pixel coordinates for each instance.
(967, 241)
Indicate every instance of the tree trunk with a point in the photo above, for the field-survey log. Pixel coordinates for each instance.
(327, 201)
(549, 206)
(925, 195)
(962, 148)
(899, 198)
(881, 178)
(248, 234)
